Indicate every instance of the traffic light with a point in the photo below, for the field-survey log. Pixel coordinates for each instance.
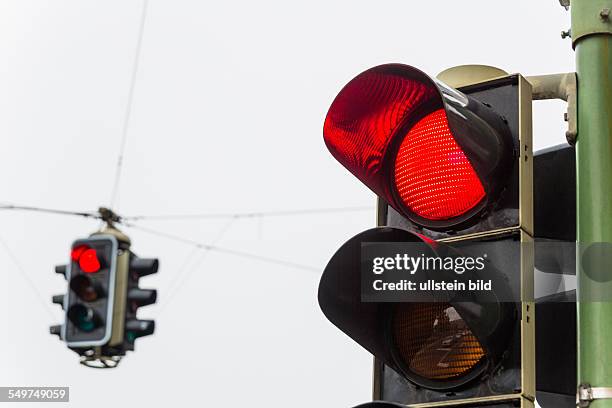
(137, 297)
(102, 299)
(555, 262)
(91, 276)
(453, 172)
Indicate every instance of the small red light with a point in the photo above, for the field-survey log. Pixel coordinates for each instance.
(89, 262)
(77, 252)
(433, 176)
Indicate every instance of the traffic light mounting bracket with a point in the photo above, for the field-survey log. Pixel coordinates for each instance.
(587, 394)
(543, 87)
(559, 86)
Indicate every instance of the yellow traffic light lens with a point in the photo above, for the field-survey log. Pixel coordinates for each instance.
(434, 342)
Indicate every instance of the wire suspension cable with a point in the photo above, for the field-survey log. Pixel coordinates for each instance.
(48, 210)
(184, 272)
(120, 219)
(260, 214)
(210, 247)
(128, 109)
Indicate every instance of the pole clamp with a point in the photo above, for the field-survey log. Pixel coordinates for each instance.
(559, 86)
(587, 394)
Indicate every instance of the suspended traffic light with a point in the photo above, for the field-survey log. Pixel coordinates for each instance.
(137, 297)
(452, 168)
(89, 304)
(103, 296)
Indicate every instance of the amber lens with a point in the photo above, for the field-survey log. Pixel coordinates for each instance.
(434, 342)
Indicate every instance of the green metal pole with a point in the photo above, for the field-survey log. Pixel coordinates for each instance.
(592, 39)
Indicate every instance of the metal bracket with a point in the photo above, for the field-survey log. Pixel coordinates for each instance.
(591, 17)
(587, 394)
(559, 86)
(109, 216)
(93, 358)
(565, 4)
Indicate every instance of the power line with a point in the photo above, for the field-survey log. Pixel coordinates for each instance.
(48, 210)
(121, 220)
(128, 109)
(184, 273)
(261, 214)
(227, 251)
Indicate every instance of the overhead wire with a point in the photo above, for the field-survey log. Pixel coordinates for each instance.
(127, 221)
(184, 272)
(128, 108)
(48, 210)
(227, 251)
(280, 213)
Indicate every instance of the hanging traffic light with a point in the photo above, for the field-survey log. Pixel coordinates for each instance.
(452, 168)
(103, 297)
(91, 276)
(137, 297)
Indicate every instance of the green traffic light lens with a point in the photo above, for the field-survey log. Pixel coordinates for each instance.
(83, 317)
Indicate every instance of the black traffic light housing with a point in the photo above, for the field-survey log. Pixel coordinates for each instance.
(137, 297)
(89, 303)
(555, 253)
(380, 327)
(479, 137)
(100, 307)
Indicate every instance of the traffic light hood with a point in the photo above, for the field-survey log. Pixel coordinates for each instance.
(436, 155)
(380, 404)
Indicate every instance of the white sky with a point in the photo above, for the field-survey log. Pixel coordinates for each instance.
(227, 117)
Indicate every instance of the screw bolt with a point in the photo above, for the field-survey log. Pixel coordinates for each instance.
(605, 14)
(565, 34)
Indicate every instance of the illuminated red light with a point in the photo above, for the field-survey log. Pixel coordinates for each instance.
(433, 176)
(77, 251)
(389, 126)
(89, 261)
(87, 258)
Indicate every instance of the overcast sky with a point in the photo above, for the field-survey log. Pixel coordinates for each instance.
(227, 116)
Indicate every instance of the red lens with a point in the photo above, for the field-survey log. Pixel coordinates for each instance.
(76, 252)
(89, 262)
(433, 176)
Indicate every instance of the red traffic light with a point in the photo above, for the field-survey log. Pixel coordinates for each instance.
(87, 258)
(439, 157)
(433, 176)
